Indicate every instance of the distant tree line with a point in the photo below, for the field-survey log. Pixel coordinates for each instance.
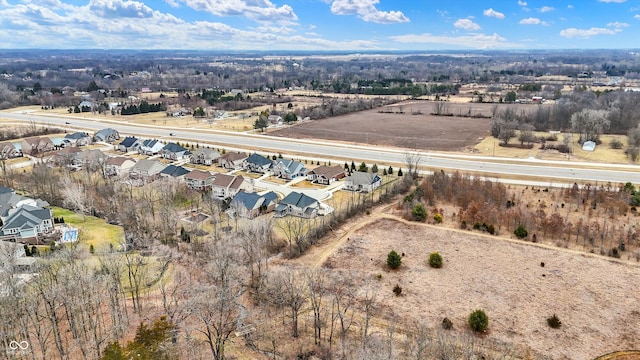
(143, 108)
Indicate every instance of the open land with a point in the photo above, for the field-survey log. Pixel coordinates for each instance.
(592, 295)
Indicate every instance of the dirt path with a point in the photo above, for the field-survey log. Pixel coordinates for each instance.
(319, 254)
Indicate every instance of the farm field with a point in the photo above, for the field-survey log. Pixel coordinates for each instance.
(406, 125)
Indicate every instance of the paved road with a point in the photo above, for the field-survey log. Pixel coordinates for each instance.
(554, 171)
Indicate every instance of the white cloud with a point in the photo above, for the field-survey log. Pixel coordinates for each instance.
(636, 16)
(120, 8)
(257, 10)
(522, 3)
(617, 24)
(545, 9)
(532, 21)
(367, 11)
(612, 1)
(466, 24)
(569, 6)
(492, 13)
(172, 3)
(587, 33)
(72, 27)
(473, 41)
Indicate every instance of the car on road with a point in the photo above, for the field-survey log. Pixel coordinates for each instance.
(172, 134)
(66, 122)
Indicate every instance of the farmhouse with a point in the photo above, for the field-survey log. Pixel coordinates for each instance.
(362, 181)
(326, 175)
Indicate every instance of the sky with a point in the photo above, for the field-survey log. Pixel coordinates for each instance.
(327, 25)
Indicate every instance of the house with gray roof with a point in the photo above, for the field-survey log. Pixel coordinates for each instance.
(250, 205)
(108, 135)
(9, 201)
(146, 170)
(92, 158)
(232, 160)
(257, 163)
(298, 204)
(150, 147)
(289, 169)
(27, 223)
(173, 151)
(204, 156)
(130, 143)
(174, 172)
(326, 175)
(227, 186)
(63, 157)
(78, 139)
(362, 181)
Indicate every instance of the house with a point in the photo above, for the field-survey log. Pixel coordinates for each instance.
(64, 156)
(150, 147)
(257, 163)
(204, 156)
(146, 170)
(93, 158)
(326, 175)
(174, 172)
(9, 201)
(8, 151)
(128, 144)
(298, 204)
(199, 180)
(226, 186)
(232, 160)
(27, 223)
(289, 169)
(362, 181)
(106, 135)
(173, 151)
(250, 205)
(118, 165)
(36, 145)
(87, 104)
(78, 139)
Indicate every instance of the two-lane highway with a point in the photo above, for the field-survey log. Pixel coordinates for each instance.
(554, 171)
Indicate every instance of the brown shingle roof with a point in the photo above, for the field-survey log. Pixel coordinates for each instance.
(198, 175)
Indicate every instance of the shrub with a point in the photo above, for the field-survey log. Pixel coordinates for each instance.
(616, 144)
(435, 260)
(419, 213)
(397, 290)
(394, 260)
(437, 217)
(521, 232)
(447, 324)
(379, 276)
(554, 322)
(478, 321)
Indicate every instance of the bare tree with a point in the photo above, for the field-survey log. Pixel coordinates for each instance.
(291, 288)
(295, 230)
(316, 279)
(412, 161)
(254, 240)
(74, 195)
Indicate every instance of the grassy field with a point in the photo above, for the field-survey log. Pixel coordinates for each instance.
(92, 230)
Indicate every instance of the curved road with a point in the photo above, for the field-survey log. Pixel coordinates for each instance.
(486, 166)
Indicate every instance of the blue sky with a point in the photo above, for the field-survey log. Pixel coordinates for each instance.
(319, 24)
